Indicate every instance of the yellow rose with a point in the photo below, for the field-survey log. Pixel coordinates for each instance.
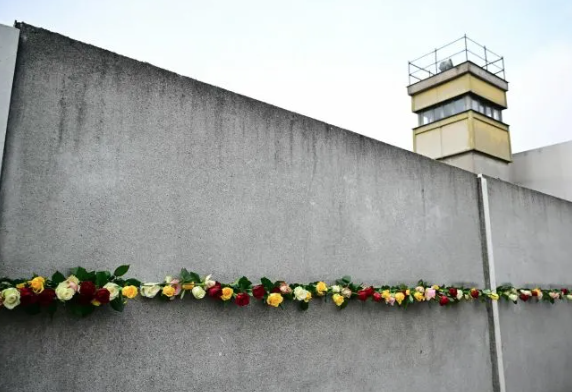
(226, 293)
(385, 294)
(168, 291)
(129, 292)
(321, 288)
(37, 284)
(435, 287)
(274, 299)
(188, 286)
(21, 285)
(494, 296)
(338, 299)
(399, 297)
(419, 296)
(95, 302)
(407, 292)
(308, 296)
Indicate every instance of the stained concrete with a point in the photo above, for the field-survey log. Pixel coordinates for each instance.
(532, 235)
(111, 161)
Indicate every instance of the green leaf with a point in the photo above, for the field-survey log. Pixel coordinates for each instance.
(267, 283)
(101, 278)
(195, 277)
(117, 304)
(33, 309)
(185, 275)
(80, 273)
(58, 278)
(304, 305)
(52, 308)
(87, 310)
(121, 270)
(132, 282)
(244, 283)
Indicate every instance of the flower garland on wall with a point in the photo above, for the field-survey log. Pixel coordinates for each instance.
(84, 291)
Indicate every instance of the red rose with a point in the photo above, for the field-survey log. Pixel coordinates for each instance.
(87, 289)
(362, 295)
(565, 291)
(276, 290)
(443, 300)
(377, 297)
(27, 297)
(46, 297)
(258, 292)
(453, 292)
(523, 297)
(242, 299)
(215, 291)
(369, 291)
(475, 293)
(102, 296)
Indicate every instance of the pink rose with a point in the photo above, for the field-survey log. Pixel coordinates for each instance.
(554, 295)
(390, 301)
(429, 294)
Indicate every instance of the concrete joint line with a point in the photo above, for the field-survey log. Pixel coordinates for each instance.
(492, 281)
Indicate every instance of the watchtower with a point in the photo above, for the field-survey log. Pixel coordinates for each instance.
(458, 92)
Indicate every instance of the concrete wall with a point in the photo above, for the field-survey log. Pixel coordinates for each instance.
(547, 169)
(531, 235)
(112, 161)
(8, 49)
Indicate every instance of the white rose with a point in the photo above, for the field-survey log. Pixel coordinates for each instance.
(198, 292)
(65, 291)
(420, 289)
(569, 297)
(11, 297)
(150, 290)
(113, 289)
(300, 293)
(346, 292)
(208, 282)
(526, 292)
(459, 294)
(513, 297)
(336, 289)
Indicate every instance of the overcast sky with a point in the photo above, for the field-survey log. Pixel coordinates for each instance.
(343, 62)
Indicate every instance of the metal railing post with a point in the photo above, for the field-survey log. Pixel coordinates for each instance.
(486, 61)
(466, 49)
(436, 70)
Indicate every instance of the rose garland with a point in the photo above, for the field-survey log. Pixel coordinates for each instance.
(83, 291)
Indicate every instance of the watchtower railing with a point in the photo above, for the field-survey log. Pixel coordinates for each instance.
(459, 51)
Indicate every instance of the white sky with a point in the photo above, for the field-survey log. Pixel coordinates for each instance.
(343, 62)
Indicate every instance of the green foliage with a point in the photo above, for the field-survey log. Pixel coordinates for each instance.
(80, 273)
(102, 278)
(267, 284)
(117, 304)
(57, 278)
(121, 270)
(132, 282)
(244, 284)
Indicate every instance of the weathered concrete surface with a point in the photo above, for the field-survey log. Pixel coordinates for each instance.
(112, 161)
(8, 49)
(532, 239)
(547, 169)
